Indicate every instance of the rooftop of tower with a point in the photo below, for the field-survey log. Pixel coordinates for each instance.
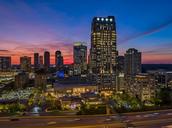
(104, 19)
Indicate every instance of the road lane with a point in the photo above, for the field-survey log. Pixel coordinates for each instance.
(140, 120)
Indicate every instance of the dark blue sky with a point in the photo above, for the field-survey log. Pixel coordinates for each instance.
(33, 25)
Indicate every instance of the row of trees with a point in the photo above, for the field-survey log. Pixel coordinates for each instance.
(92, 109)
(125, 103)
(45, 102)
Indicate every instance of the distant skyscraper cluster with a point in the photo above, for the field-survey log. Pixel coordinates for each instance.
(105, 67)
(41, 61)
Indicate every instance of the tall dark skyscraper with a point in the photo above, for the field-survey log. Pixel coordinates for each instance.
(132, 62)
(120, 64)
(46, 59)
(41, 61)
(103, 52)
(58, 59)
(5, 63)
(36, 60)
(120, 73)
(80, 57)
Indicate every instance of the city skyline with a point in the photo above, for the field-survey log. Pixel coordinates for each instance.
(28, 27)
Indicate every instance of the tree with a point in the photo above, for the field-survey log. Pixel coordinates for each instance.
(165, 96)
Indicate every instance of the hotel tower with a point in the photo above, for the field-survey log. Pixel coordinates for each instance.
(103, 53)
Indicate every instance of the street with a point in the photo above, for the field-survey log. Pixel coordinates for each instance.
(154, 119)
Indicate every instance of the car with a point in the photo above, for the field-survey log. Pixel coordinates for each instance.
(138, 116)
(14, 118)
(113, 117)
(156, 113)
(108, 119)
(77, 119)
(148, 115)
(130, 126)
(169, 114)
(51, 123)
(126, 121)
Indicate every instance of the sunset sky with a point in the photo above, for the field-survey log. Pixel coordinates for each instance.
(37, 25)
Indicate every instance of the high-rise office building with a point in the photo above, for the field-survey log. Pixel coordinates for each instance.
(80, 58)
(103, 52)
(46, 59)
(5, 63)
(58, 59)
(36, 60)
(132, 62)
(41, 61)
(120, 73)
(120, 64)
(25, 63)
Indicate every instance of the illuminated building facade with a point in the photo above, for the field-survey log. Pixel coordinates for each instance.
(163, 78)
(141, 86)
(80, 58)
(103, 53)
(5, 63)
(73, 89)
(25, 63)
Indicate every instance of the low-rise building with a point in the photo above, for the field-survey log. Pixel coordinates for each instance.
(73, 89)
(163, 78)
(70, 102)
(91, 98)
(141, 86)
